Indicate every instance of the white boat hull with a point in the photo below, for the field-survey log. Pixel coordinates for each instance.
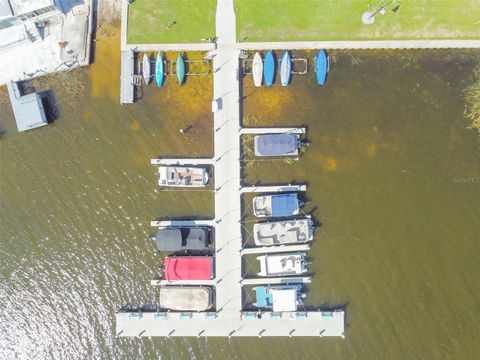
(257, 70)
(146, 68)
(283, 232)
(180, 176)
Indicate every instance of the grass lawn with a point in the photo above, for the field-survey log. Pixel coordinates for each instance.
(149, 21)
(297, 20)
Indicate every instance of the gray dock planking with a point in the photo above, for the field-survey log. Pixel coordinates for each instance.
(183, 282)
(277, 280)
(272, 130)
(182, 161)
(275, 249)
(126, 77)
(273, 188)
(228, 318)
(167, 223)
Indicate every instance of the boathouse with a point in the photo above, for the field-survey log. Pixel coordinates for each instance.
(28, 109)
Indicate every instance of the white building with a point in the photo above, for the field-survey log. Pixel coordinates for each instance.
(38, 37)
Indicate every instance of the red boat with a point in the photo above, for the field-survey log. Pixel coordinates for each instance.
(188, 268)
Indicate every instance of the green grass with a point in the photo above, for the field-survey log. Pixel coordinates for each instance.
(307, 20)
(149, 20)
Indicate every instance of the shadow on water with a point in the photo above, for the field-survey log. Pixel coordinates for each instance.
(50, 105)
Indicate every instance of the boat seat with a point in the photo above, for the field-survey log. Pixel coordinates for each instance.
(261, 238)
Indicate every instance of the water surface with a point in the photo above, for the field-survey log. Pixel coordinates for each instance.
(393, 178)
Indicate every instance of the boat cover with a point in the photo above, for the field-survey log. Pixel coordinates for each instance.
(175, 239)
(276, 144)
(185, 298)
(284, 205)
(277, 298)
(188, 268)
(264, 299)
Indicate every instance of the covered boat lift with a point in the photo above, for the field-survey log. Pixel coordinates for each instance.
(188, 268)
(282, 264)
(279, 298)
(284, 144)
(186, 298)
(182, 238)
(278, 205)
(283, 232)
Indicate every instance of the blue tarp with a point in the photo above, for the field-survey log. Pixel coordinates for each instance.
(284, 205)
(276, 144)
(264, 299)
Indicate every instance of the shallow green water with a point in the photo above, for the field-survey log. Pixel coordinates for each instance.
(393, 177)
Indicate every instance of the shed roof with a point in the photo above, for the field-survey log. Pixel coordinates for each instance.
(28, 110)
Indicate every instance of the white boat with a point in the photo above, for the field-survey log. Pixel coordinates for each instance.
(279, 298)
(146, 68)
(285, 68)
(277, 205)
(257, 69)
(283, 232)
(282, 264)
(185, 298)
(182, 176)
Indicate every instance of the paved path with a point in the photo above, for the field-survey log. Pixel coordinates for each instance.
(370, 44)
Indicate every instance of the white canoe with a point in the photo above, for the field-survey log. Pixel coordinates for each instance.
(257, 69)
(146, 68)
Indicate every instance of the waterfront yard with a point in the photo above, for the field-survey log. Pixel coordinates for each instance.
(308, 20)
(169, 21)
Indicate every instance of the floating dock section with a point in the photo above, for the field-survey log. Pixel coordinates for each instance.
(127, 85)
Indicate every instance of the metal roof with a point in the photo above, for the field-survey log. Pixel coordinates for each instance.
(28, 110)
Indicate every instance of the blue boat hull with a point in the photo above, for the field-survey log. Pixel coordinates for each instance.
(159, 71)
(269, 69)
(321, 67)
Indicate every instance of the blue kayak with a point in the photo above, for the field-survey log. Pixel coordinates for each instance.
(321, 67)
(159, 70)
(269, 69)
(285, 68)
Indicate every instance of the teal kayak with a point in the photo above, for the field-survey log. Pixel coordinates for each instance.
(159, 70)
(180, 69)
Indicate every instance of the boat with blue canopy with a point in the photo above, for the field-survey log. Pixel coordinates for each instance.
(269, 69)
(321, 67)
(279, 298)
(278, 205)
(284, 144)
(180, 68)
(159, 70)
(285, 68)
